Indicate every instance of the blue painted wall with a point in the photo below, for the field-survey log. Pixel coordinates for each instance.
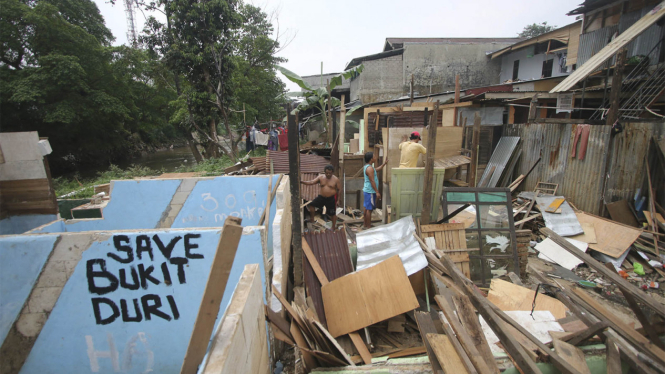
(73, 339)
(20, 224)
(21, 261)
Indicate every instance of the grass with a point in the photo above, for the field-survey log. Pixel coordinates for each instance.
(84, 188)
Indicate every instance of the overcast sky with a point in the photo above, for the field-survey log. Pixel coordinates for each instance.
(334, 32)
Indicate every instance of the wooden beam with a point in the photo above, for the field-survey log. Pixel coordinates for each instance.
(314, 263)
(272, 197)
(579, 336)
(342, 135)
(429, 168)
(361, 347)
(294, 186)
(533, 108)
(464, 339)
(426, 326)
(212, 295)
(411, 92)
(471, 324)
(615, 91)
(473, 179)
(594, 264)
(612, 357)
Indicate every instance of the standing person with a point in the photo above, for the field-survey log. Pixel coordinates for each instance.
(370, 189)
(330, 188)
(411, 150)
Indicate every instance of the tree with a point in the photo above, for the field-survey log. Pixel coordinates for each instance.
(535, 29)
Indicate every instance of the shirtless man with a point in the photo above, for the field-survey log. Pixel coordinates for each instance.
(330, 186)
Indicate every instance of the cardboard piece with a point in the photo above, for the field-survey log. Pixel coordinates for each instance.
(366, 297)
(508, 297)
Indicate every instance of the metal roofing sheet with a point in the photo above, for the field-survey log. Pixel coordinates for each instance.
(612, 48)
(309, 192)
(332, 252)
(308, 163)
(382, 242)
(564, 223)
(500, 157)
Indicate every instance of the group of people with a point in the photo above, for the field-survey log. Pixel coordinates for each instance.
(273, 140)
(331, 186)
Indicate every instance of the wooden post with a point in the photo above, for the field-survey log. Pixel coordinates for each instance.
(331, 129)
(429, 167)
(533, 108)
(457, 94)
(212, 295)
(475, 140)
(294, 182)
(615, 92)
(411, 93)
(342, 136)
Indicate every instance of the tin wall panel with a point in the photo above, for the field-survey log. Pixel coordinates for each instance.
(581, 181)
(592, 42)
(645, 42)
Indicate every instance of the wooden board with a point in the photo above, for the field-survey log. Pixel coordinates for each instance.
(213, 293)
(366, 297)
(620, 212)
(361, 347)
(426, 326)
(613, 238)
(573, 355)
(589, 235)
(448, 144)
(471, 324)
(508, 296)
(408, 352)
(448, 358)
(450, 236)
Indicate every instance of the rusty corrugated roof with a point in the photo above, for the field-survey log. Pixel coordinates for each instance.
(332, 252)
(309, 192)
(308, 163)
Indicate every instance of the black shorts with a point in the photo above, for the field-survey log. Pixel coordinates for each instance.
(328, 202)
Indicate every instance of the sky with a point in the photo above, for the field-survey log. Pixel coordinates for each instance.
(334, 32)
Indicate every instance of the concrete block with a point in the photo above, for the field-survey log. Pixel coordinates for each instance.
(30, 324)
(43, 299)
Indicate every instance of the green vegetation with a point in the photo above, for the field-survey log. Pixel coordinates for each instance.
(535, 29)
(207, 69)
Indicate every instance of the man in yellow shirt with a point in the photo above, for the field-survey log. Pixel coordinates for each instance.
(410, 151)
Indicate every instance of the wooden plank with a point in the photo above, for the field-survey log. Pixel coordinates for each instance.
(278, 321)
(471, 324)
(594, 264)
(368, 296)
(620, 212)
(525, 220)
(361, 347)
(294, 186)
(408, 352)
(573, 355)
(429, 167)
(612, 357)
(508, 296)
(426, 327)
(613, 238)
(552, 208)
(475, 141)
(446, 354)
(515, 279)
(463, 337)
(621, 327)
(340, 350)
(292, 312)
(578, 337)
(212, 295)
(280, 335)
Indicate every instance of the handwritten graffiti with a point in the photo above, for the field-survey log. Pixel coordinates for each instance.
(130, 353)
(246, 206)
(139, 274)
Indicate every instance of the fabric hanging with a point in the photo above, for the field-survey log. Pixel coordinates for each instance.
(261, 138)
(283, 142)
(581, 135)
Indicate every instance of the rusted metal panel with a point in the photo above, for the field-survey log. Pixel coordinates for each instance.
(308, 163)
(581, 181)
(332, 252)
(309, 192)
(592, 42)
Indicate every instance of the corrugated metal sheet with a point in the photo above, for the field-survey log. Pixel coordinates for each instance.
(500, 157)
(643, 44)
(382, 242)
(309, 192)
(308, 163)
(592, 42)
(564, 223)
(580, 181)
(396, 119)
(332, 252)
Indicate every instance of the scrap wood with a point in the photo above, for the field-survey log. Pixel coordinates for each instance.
(612, 357)
(594, 264)
(279, 335)
(464, 339)
(613, 238)
(471, 324)
(496, 319)
(573, 355)
(580, 336)
(628, 333)
(426, 326)
(508, 296)
(554, 205)
(310, 360)
(525, 220)
(408, 352)
(278, 321)
(447, 355)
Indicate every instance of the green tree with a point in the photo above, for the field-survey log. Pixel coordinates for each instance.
(535, 29)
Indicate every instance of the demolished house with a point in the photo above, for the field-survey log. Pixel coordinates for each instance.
(533, 245)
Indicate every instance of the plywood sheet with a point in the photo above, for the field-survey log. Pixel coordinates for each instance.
(368, 296)
(573, 355)
(448, 144)
(589, 235)
(613, 239)
(508, 296)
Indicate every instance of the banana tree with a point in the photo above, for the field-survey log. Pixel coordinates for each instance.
(318, 97)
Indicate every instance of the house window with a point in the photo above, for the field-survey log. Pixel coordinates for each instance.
(547, 68)
(516, 69)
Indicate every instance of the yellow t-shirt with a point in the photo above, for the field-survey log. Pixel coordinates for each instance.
(410, 152)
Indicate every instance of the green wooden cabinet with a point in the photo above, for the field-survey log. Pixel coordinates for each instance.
(406, 192)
